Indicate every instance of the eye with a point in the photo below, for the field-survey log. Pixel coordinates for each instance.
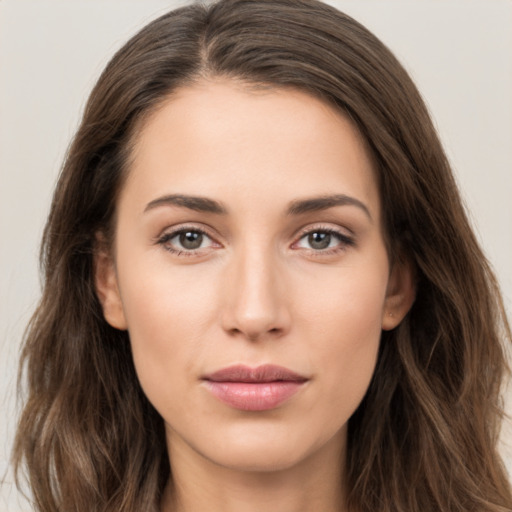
(186, 240)
(323, 240)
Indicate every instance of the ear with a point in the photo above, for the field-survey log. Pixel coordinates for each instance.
(400, 294)
(107, 289)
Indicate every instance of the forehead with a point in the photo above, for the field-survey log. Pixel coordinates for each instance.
(219, 137)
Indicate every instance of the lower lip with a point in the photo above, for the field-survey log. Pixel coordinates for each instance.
(254, 396)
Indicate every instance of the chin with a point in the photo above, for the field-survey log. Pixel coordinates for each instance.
(261, 448)
(258, 460)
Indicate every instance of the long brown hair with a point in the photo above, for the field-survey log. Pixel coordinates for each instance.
(424, 438)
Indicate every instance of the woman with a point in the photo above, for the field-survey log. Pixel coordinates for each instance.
(261, 286)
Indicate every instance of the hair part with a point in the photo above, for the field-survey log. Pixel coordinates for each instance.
(424, 438)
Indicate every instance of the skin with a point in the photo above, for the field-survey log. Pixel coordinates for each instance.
(256, 291)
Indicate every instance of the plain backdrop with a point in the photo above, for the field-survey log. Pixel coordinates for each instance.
(51, 52)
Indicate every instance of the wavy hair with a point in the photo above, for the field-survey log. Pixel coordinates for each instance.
(424, 438)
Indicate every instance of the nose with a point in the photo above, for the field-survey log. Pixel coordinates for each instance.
(255, 298)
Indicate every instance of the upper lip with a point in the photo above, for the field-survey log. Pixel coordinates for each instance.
(264, 373)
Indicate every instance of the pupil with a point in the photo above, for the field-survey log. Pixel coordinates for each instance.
(191, 240)
(319, 240)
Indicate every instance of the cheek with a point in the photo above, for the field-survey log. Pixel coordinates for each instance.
(346, 304)
(168, 312)
(343, 331)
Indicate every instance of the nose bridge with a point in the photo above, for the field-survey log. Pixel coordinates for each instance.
(256, 302)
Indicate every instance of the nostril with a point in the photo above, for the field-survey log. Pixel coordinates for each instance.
(255, 335)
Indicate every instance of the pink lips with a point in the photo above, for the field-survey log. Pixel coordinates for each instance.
(254, 389)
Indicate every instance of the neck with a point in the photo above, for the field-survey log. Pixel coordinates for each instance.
(198, 484)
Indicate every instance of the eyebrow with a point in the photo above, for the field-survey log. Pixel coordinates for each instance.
(298, 207)
(315, 204)
(196, 203)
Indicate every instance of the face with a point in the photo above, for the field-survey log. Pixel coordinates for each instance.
(251, 273)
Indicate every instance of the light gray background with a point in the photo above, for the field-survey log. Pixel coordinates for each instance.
(51, 52)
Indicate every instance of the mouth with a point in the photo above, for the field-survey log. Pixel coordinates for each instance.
(254, 389)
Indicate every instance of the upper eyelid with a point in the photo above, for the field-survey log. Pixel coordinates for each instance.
(332, 228)
(171, 230)
(337, 234)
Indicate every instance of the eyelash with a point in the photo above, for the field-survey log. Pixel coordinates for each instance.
(345, 241)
